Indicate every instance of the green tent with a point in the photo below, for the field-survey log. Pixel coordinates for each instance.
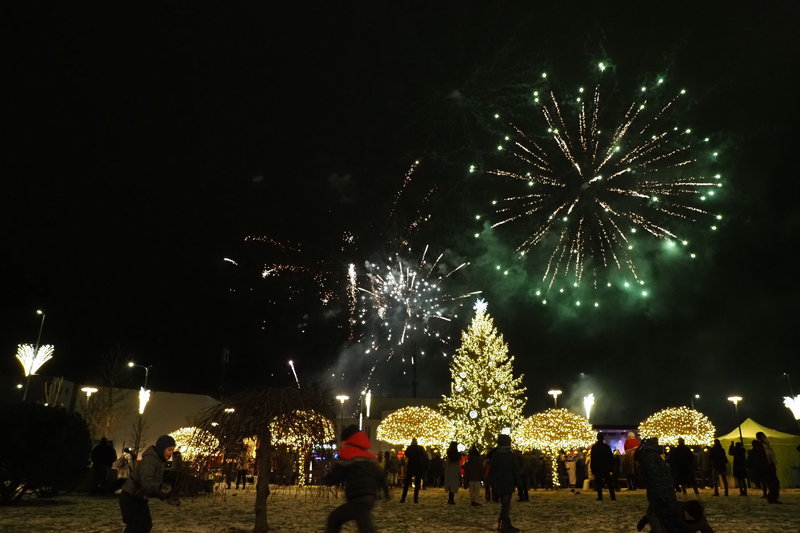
(784, 444)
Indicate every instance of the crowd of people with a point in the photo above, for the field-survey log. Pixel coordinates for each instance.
(494, 475)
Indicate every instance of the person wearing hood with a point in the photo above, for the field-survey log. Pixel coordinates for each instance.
(771, 470)
(362, 480)
(147, 479)
(505, 475)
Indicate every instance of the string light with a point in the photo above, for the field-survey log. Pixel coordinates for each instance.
(194, 442)
(301, 429)
(673, 423)
(553, 430)
(428, 426)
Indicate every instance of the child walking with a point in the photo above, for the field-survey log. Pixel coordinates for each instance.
(362, 480)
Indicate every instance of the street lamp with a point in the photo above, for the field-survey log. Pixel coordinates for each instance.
(342, 398)
(554, 393)
(736, 400)
(89, 391)
(131, 364)
(696, 397)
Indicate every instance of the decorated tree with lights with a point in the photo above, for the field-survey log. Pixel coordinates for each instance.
(485, 397)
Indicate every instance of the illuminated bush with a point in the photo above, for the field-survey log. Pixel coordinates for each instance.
(194, 442)
(429, 427)
(673, 423)
(552, 430)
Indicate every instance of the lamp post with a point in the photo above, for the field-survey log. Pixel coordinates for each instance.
(696, 397)
(736, 400)
(131, 364)
(35, 351)
(554, 393)
(89, 391)
(342, 398)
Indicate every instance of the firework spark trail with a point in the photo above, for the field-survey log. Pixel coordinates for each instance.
(591, 188)
(351, 294)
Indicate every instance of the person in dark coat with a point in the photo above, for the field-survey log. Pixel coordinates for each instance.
(719, 467)
(771, 471)
(435, 470)
(505, 476)
(473, 472)
(362, 480)
(103, 456)
(693, 518)
(526, 475)
(681, 460)
(757, 463)
(664, 513)
(581, 471)
(417, 463)
(602, 464)
(147, 479)
(739, 466)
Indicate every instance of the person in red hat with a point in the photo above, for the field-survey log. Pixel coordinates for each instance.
(362, 480)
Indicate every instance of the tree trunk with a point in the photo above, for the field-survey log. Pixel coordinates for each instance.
(263, 456)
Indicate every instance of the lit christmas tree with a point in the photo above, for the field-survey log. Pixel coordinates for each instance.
(485, 397)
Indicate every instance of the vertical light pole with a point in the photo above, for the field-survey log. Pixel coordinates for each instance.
(554, 393)
(131, 364)
(736, 400)
(342, 398)
(696, 397)
(35, 351)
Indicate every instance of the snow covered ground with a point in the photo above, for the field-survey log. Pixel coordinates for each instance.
(304, 510)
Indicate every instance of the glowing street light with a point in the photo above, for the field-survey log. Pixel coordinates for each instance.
(554, 393)
(131, 364)
(696, 397)
(342, 398)
(736, 400)
(89, 391)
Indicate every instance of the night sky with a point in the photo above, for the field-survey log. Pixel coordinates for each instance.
(144, 145)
